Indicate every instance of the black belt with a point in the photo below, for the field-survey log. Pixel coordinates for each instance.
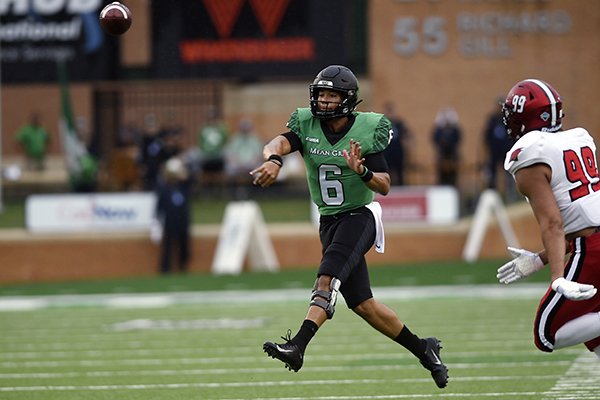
(359, 210)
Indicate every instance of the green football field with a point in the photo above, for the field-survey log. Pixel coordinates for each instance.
(208, 345)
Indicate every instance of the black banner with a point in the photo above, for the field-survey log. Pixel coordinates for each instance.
(243, 39)
(34, 34)
(249, 39)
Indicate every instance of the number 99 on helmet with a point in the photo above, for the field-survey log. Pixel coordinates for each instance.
(532, 105)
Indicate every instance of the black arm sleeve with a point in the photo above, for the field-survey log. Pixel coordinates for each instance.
(294, 141)
(376, 162)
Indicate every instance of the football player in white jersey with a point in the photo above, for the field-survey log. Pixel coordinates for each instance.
(557, 171)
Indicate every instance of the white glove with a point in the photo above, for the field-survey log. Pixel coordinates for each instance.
(573, 290)
(524, 264)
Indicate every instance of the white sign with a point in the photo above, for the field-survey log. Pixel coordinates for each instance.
(427, 205)
(432, 205)
(244, 233)
(90, 212)
(489, 202)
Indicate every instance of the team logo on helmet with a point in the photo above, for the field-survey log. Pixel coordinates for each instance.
(325, 83)
(545, 116)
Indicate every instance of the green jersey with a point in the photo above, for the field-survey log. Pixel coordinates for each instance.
(35, 140)
(334, 187)
(212, 140)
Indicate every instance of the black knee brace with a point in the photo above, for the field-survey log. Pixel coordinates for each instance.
(326, 300)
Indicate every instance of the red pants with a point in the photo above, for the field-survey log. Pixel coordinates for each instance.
(555, 310)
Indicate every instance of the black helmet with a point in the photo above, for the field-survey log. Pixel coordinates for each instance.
(340, 79)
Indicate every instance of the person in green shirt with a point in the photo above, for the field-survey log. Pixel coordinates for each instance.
(243, 150)
(212, 139)
(34, 140)
(345, 166)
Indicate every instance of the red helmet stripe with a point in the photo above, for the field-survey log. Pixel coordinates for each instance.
(551, 98)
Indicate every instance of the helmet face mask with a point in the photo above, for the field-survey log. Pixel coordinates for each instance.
(532, 105)
(338, 79)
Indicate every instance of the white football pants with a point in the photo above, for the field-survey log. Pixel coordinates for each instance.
(578, 330)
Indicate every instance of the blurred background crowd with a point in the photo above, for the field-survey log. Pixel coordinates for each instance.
(210, 82)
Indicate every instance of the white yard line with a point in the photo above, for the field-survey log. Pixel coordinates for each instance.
(42, 388)
(203, 360)
(256, 371)
(581, 381)
(157, 300)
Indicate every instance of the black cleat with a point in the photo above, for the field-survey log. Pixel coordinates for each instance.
(433, 362)
(287, 352)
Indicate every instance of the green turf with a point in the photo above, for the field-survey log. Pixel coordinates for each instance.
(205, 352)
(12, 215)
(212, 350)
(438, 273)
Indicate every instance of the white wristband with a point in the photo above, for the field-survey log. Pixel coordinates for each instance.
(537, 262)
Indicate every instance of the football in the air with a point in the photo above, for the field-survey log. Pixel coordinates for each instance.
(115, 18)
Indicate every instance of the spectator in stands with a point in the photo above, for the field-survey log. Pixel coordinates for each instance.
(172, 142)
(34, 140)
(173, 212)
(242, 153)
(396, 154)
(150, 148)
(158, 145)
(122, 165)
(446, 136)
(84, 178)
(212, 138)
(497, 143)
(129, 132)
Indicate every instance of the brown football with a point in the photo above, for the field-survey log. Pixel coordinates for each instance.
(115, 18)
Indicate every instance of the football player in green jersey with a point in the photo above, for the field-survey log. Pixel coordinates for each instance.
(343, 154)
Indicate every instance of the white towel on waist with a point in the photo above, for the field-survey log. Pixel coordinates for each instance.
(375, 208)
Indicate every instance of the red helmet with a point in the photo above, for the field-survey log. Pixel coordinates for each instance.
(532, 105)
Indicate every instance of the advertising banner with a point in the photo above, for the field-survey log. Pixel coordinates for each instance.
(430, 205)
(63, 213)
(414, 205)
(249, 39)
(35, 34)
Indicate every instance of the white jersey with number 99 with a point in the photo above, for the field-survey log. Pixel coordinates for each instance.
(571, 155)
